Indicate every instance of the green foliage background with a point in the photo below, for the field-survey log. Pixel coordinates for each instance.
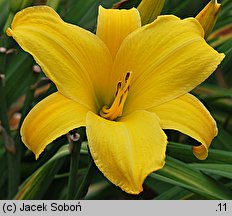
(183, 177)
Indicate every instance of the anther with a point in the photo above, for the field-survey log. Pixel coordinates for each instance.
(115, 110)
(127, 76)
(119, 86)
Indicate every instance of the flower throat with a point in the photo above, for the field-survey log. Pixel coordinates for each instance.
(111, 113)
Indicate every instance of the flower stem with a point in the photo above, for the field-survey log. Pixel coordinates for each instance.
(75, 140)
(83, 189)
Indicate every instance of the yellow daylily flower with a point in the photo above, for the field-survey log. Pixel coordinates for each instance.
(124, 84)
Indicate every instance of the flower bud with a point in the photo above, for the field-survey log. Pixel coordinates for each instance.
(36, 69)
(2, 50)
(149, 10)
(208, 16)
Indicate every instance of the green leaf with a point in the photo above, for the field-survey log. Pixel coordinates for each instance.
(3, 168)
(53, 3)
(19, 75)
(127, 4)
(182, 8)
(224, 170)
(4, 9)
(223, 139)
(37, 184)
(178, 173)
(184, 153)
(175, 193)
(78, 11)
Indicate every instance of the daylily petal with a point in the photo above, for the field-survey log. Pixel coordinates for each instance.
(189, 116)
(114, 25)
(77, 61)
(49, 119)
(128, 150)
(167, 58)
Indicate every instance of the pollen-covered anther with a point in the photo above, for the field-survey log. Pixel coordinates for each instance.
(116, 108)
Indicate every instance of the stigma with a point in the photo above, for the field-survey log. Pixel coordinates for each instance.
(116, 109)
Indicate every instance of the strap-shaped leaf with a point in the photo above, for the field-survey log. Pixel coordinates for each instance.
(223, 170)
(175, 193)
(178, 173)
(37, 184)
(184, 152)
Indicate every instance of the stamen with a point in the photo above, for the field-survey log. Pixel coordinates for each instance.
(119, 85)
(116, 108)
